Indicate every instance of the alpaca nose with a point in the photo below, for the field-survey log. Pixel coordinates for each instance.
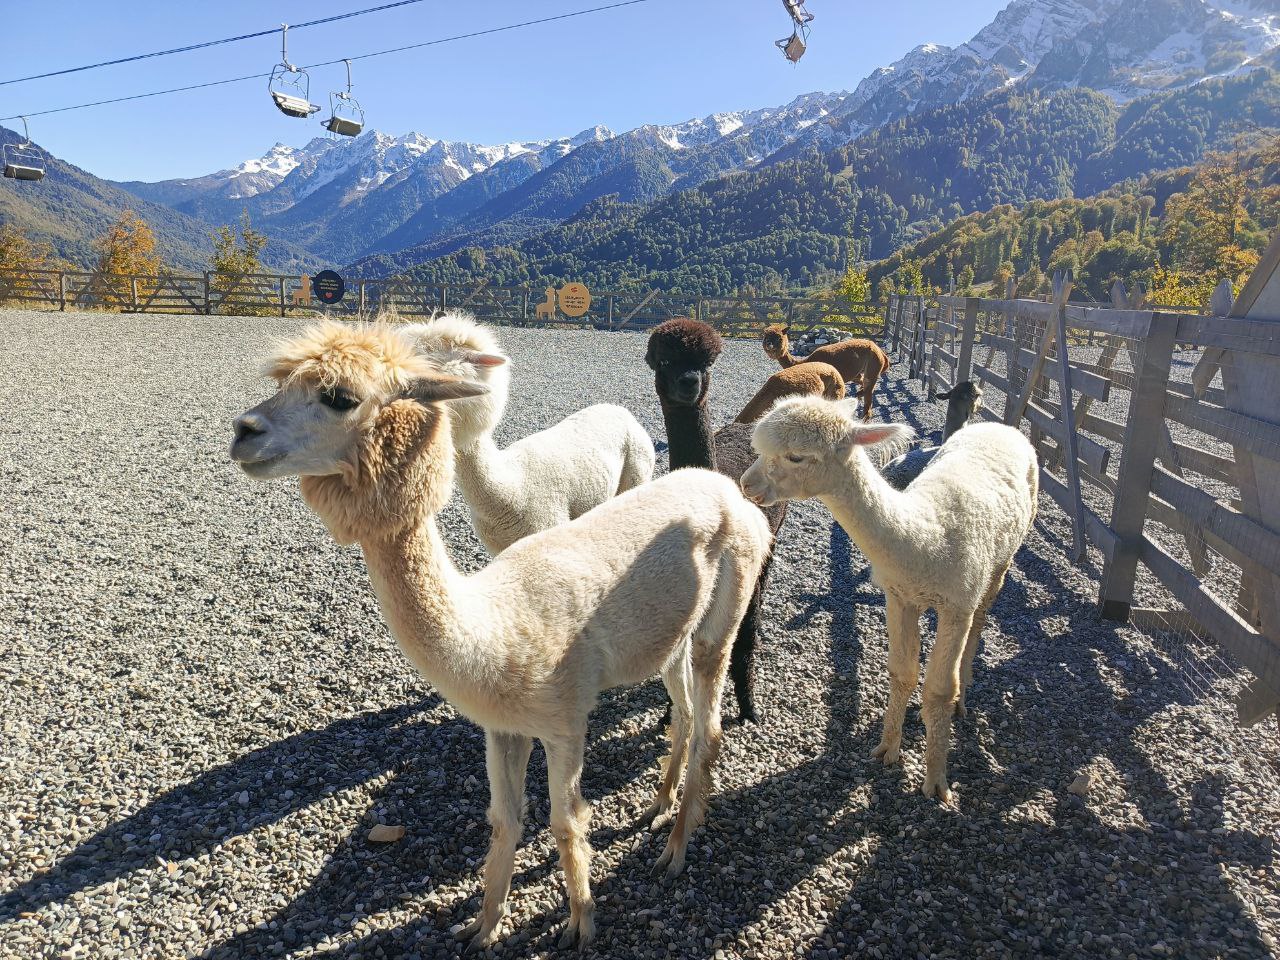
(249, 425)
(688, 383)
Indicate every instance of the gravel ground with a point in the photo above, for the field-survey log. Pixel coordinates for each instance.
(203, 717)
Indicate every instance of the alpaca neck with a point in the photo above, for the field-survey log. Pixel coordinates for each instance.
(957, 417)
(690, 437)
(480, 473)
(440, 626)
(888, 526)
(786, 360)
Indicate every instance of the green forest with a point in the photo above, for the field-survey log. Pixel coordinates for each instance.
(926, 189)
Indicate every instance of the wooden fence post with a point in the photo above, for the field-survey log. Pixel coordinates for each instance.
(281, 281)
(888, 313)
(62, 291)
(208, 309)
(364, 300)
(968, 332)
(1137, 463)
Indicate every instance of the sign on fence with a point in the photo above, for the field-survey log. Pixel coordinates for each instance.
(328, 286)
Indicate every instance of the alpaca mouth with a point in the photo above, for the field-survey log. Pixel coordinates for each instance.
(258, 469)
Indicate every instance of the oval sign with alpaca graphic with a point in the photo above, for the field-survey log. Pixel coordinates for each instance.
(575, 299)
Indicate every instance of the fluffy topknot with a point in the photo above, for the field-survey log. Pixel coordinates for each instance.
(690, 343)
(331, 354)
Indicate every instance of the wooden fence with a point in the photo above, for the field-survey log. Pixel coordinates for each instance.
(1158, 433)
(281, 295)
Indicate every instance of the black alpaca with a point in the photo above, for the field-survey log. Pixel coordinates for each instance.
(681, 353)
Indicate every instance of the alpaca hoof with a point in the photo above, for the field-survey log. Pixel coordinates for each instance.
(745, 717)
(580, 932)
(656, 815)
(886, 754)
(936, 787)
(669, 864)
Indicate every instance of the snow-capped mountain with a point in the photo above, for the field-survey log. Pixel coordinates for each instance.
(1125, 48)
(377, 194)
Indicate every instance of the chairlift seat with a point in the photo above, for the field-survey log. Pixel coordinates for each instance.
(344, 126)
(293, 106)
(792, 48)
(17, 170)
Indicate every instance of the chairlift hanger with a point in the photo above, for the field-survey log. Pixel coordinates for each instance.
(794, 46)
(346, 116)
(23, 161)
(290, 86)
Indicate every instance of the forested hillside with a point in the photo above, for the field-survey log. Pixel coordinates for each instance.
(1178, 233)
(800, 221)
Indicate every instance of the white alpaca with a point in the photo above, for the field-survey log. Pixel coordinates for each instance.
(544, 479)
(655, 580)
(945, 542)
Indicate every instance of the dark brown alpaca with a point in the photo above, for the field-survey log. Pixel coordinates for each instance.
(859, 361)
(681, 353)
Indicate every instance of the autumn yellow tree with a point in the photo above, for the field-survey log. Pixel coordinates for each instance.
(128, 248)
(20, 252)
(1202, 228)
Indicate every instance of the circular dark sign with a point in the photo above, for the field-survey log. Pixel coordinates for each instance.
(328, 286)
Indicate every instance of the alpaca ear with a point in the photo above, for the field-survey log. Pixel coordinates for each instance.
(787, 328)
(443, 387)
(480, 359)
(877, 437)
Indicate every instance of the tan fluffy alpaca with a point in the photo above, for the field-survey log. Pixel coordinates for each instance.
(811, 378)
(859, 361)
(654, 580)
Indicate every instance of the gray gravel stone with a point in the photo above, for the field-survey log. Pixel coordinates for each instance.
(174, 638)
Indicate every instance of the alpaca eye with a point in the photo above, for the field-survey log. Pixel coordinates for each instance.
(338, 400)
(791, 457)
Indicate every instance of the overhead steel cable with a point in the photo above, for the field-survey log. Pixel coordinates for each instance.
(329, 63)
(211, 43)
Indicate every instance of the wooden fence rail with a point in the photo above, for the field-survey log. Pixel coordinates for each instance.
(283, 295)
(1155, 465)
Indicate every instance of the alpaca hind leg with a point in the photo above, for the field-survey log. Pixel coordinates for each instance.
(507, 759)
(637, 465)
(941, 688)
(975, 635)
(677, 679)
(904, 674)
(570, 817)
(711, 647)
(868, 393)
(703, 751)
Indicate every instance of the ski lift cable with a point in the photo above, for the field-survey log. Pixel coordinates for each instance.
(211, 43)
(328, 63)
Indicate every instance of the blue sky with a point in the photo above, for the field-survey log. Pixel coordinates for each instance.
(659, 61)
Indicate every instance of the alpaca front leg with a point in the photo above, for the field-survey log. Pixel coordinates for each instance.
(904, 674)
(506, 760)
(941, 688)
(570, 817)
(742, 659)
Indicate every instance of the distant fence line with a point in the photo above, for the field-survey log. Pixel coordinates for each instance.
(285, 295)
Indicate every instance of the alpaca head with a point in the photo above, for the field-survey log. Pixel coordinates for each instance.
(357, 415)
(457, 345)
(681, 352)
(806, 447)
(965, 396)
(775, 340)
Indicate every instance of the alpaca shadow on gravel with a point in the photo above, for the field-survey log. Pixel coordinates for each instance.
(998, 781)
(188, 820)
(881, 841)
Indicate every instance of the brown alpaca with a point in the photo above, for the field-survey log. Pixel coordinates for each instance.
(859, 361)
(811, 378)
